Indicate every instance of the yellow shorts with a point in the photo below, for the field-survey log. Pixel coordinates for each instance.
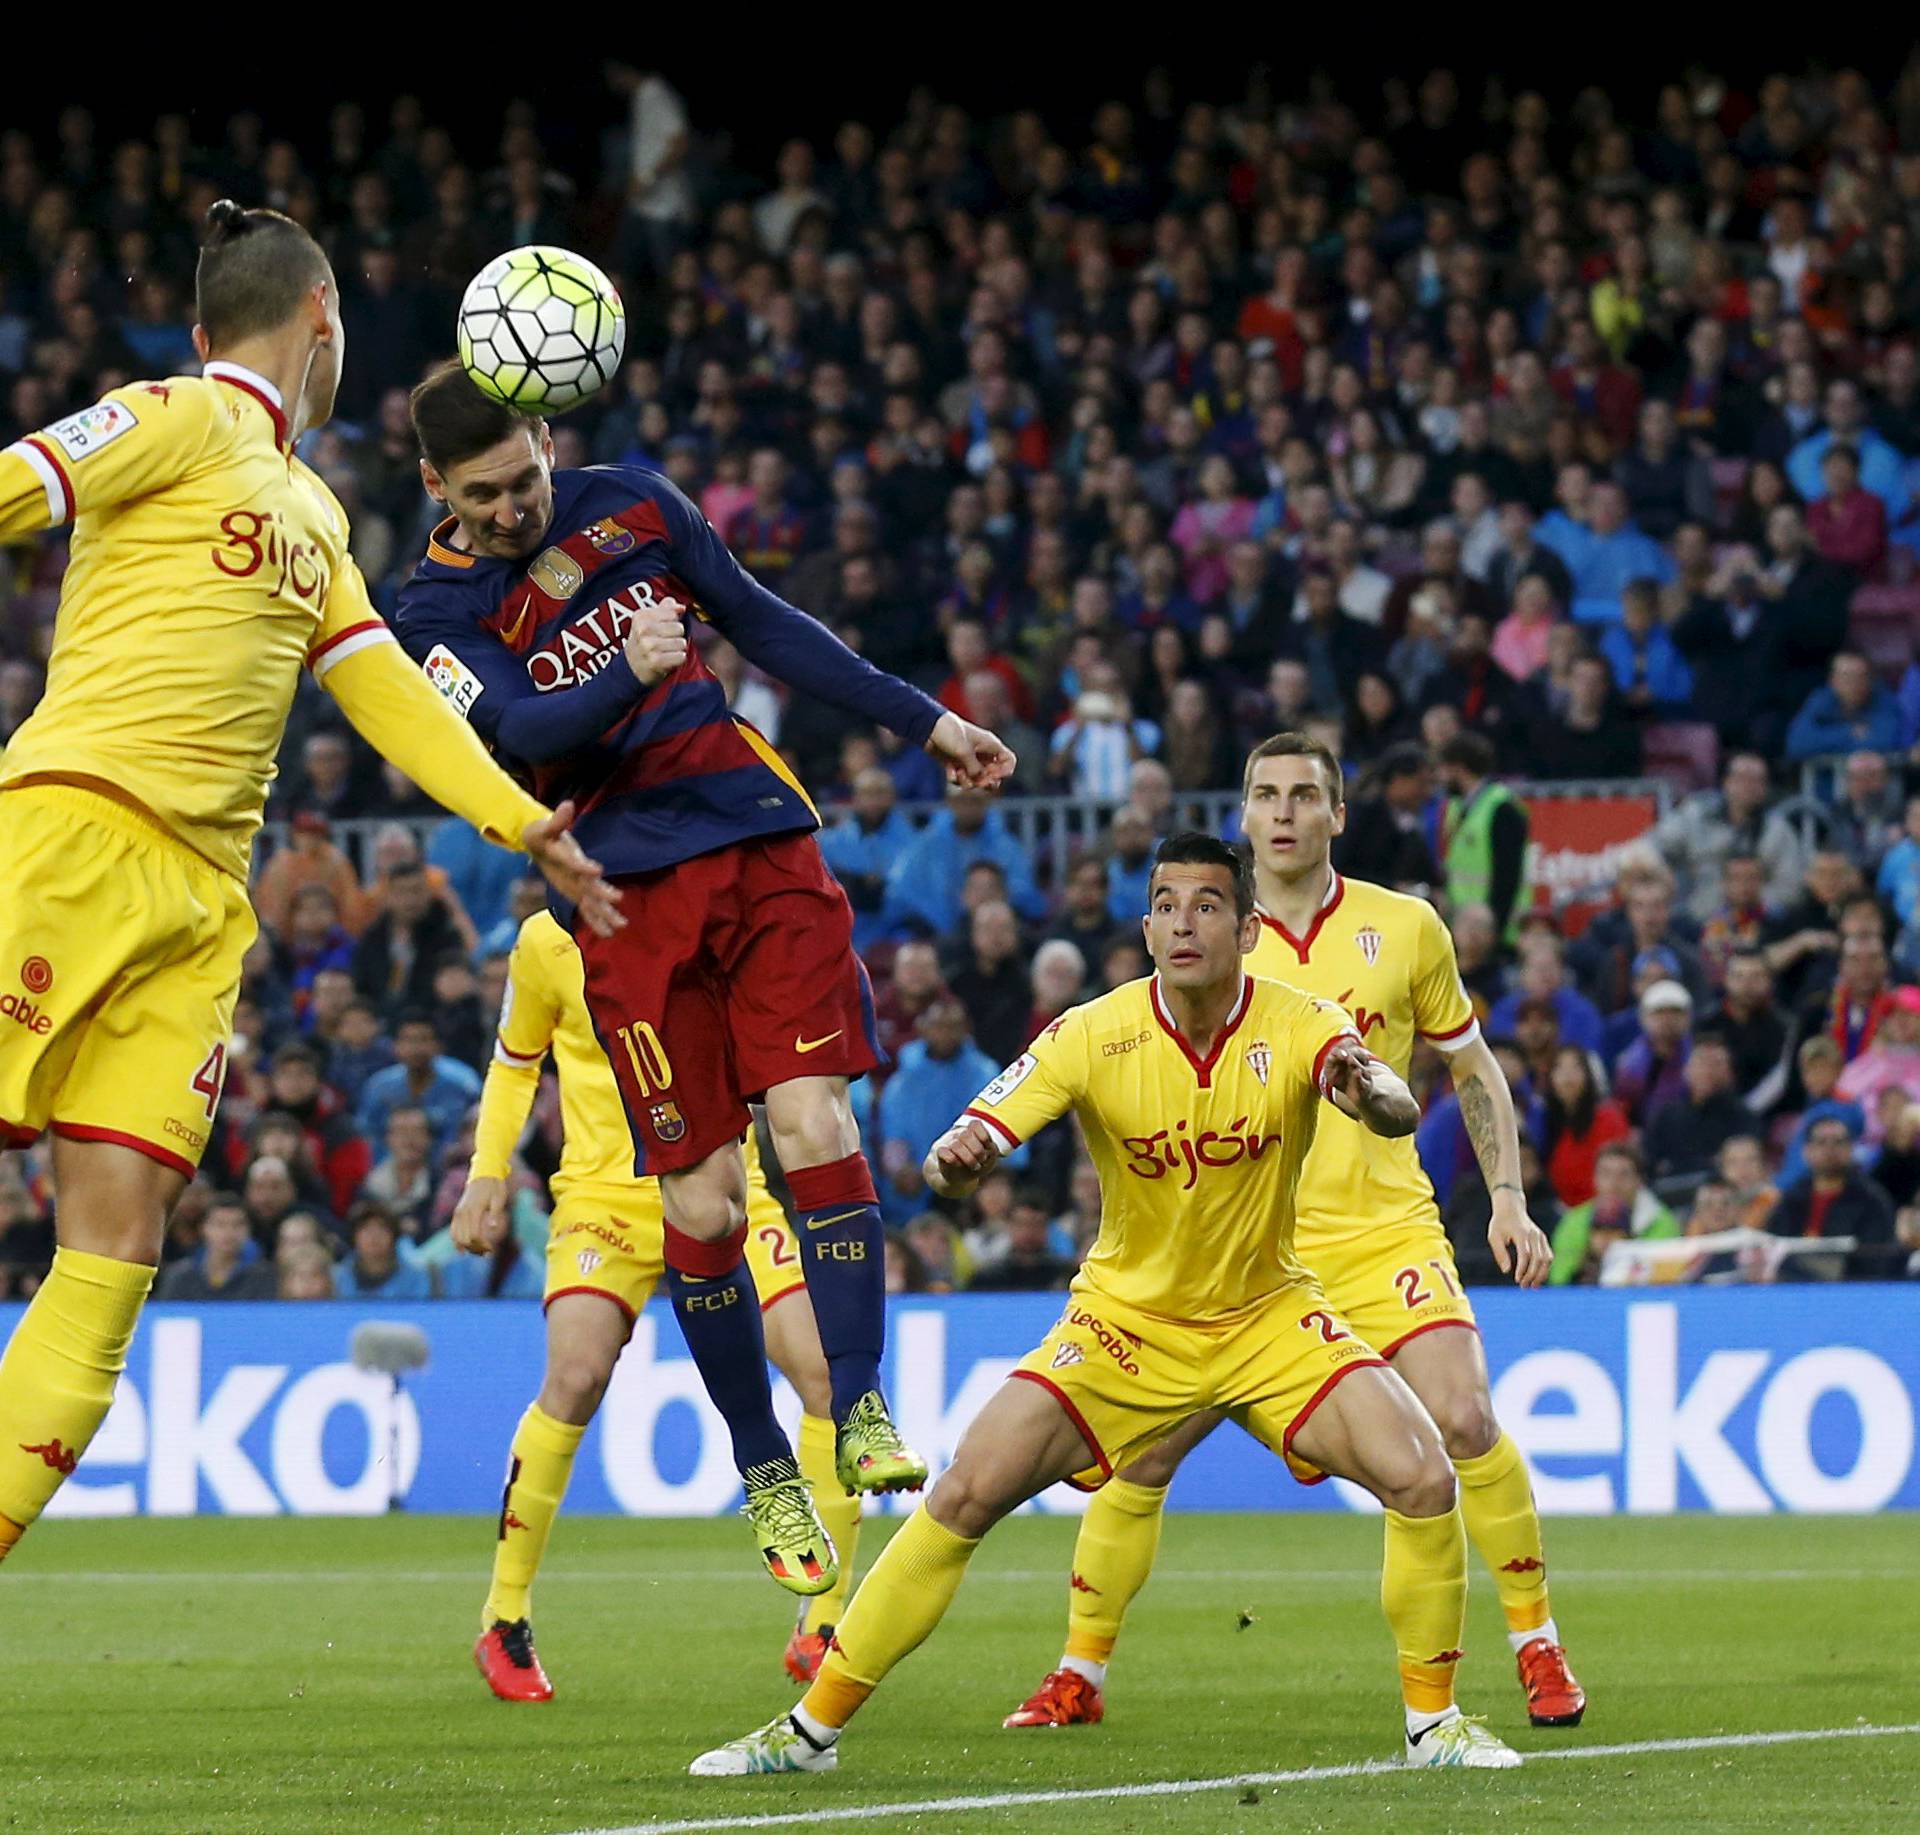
(1128, 1379)
(609, 1242)
(1393, 1284)
(120, 952)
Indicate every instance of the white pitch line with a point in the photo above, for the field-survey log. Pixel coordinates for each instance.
(657, 1576)
(1180, 1787)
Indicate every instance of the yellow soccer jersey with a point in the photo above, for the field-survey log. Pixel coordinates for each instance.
(1197, 1158)
(1388, 960)
(208, 564)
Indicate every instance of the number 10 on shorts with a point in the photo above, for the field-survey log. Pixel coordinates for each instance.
(652, 1069)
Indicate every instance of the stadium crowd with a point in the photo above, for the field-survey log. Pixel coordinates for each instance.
(1483, 437)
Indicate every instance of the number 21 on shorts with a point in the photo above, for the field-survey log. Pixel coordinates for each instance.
(1411, 1282)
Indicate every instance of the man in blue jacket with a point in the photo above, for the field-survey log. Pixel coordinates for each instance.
(923, 890)
(1853, 712)
(862, 847)
(919, 1103)
(1882, 470)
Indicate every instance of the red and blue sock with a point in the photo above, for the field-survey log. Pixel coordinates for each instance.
(713, 1297)
(843, 1246)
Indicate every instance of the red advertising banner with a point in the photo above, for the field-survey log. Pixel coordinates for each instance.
(1577, 844)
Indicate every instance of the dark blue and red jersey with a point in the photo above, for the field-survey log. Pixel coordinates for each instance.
(531, 652)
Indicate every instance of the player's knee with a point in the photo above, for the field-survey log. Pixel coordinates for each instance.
(1155, 1467)
(965, 1499)
(812, 1123)
(1427, 1488)
(573, 1387)
(1466, 1422)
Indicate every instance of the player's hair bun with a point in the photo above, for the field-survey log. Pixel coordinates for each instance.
(225, 220)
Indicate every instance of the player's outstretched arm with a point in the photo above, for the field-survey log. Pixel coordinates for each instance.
(961, 1158)
(1520, 1247)
(1365, 1088)
(408, 722)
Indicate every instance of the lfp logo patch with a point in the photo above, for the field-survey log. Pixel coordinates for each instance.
(453, 678)
(81, 435)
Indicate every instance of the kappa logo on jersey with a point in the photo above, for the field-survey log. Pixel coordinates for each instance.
(61, 1459)
(1067, 1356)
(1118, 1048)
(610, 538)
(667, 1122)
(1363, 1017)
(81, 435)
(1369, 940)
(36, 974)
(453, 678)
(164, 390)
(590, 642)
(557, 573)
(1523, 1564)
(1155, 1155)
(1009, 1080)
(589, 1259)
(1260, 1060)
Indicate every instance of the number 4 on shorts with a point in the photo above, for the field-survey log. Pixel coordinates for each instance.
(209, 1078)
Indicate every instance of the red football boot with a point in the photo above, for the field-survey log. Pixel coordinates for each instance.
(806, 1651)
(503, 1653)
(1554, 1696)
(1065, 1699)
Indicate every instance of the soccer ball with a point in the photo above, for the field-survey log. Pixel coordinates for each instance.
(541, 329)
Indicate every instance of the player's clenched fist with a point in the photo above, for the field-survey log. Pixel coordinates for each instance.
(961, 1158)
(657, 640)
(480, 1219)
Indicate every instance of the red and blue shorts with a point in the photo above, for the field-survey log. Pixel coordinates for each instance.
(735, 973)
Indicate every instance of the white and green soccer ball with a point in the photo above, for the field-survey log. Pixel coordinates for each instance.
(541, 329)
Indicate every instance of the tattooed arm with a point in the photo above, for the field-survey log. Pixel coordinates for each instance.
(1486, 1111)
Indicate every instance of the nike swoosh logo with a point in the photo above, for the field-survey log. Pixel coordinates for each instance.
(803, 1046)
(820, 1223)
(513, 630)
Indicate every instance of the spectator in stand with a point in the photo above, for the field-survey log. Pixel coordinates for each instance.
(360, 1049)
(1664, 481)
(394, 960)
(228, 1264)
(1084, 919)
(270, 1194)
(1129, 865)
(1754, 1029)
(1592, 738)
(1469, 1213)
(1685, 1135)
(1486, 698)
(1865, 820)
(1440, 565)
(1649, 672)
(1621, 1209)
(1094, 748)
(971, 653)
(1542, 976)
(923, 888)
(1522, 558)
(938, 1074)
(420, 1077)
(1739, 920)
(1853, 710)
(1882, 470)
(338, 1154)
(1476, 948)
(305, 1273)
(1059, 981)
(1208, 526)
(1848, 523)
(1651, 1070)
(1385, 838)
(529, 895)
(480, 876)
(1614, 555)
(376, 1270)
(405, 1177)
(1520, 639)
(1580, 1120)
(313, 942)
(466, 1027)
(770, 534)
(309, 858)
(1835, 1198)
(989, 979)
(1819, 1063)
(1484, 852)
(1852, 1011)
(993, 708)
(913, 984)
(1333, 647)
(861, 848)
(1891, 1061)
(1700, 835)
(1898, 881)
(1743, 1165)
(1027, 1262)
(1803, 940)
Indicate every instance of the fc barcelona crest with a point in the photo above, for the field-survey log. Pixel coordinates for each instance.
(1260, 1060)
(609, 538)
(1369, 940)
(668, 1123)
(557, 573)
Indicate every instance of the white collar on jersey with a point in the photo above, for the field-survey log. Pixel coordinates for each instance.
(238, 372)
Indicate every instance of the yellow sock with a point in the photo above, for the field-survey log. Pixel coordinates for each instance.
(1423, 1591)
(905, 1594)
(1496, 1498)
(838, 1511)
(57, 1378)
(1119, 1538)
(537, 1475)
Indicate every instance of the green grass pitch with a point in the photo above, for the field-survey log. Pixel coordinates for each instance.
(271, 1676)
